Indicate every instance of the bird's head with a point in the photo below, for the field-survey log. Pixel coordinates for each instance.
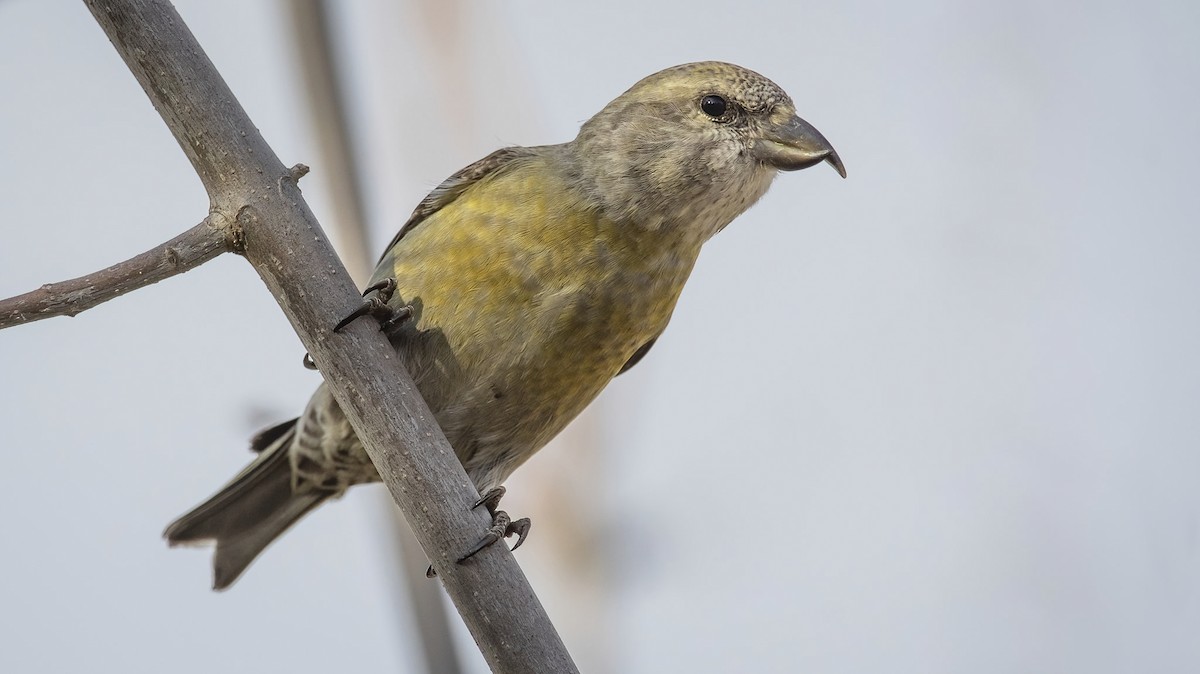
(693, 146)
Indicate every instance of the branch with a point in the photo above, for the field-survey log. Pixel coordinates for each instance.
(314, 37)
(67, 298)
(285, 244)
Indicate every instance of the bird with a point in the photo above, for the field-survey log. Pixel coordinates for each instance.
(523, 284)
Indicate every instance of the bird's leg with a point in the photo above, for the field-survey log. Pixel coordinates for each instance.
(503, 526)
(377, 307)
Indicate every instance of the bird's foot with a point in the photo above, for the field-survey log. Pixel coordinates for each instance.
(503, 526)
(377, 307)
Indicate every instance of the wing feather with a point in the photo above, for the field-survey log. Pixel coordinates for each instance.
(460, 182)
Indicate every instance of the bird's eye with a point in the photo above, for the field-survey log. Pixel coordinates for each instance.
(713, 106)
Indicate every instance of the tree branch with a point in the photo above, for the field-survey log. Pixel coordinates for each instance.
(315, 46)
(285, 244)
(67, 298)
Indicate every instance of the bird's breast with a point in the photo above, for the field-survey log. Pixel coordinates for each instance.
(527, 304)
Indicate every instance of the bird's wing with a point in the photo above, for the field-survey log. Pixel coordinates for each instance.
(458, 183)
(637, 356)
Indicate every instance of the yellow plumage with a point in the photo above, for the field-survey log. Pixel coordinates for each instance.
(540, 299)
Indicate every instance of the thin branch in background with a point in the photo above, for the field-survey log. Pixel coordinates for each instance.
(340, 165)
(340, 169)
(68, 298)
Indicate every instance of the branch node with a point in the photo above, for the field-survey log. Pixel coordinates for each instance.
(296, 172)
(233, 229)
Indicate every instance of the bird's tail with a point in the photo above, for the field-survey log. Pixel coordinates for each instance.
(251, 511)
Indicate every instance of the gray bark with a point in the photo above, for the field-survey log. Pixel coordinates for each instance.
(327, 100)
(67, 298)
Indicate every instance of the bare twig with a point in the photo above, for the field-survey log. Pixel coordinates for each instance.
(245, 181)
(67, 298)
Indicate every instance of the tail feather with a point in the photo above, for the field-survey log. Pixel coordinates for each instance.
(248, 513)
(268, 437)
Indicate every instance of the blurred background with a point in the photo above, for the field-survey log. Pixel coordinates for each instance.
(939, 417)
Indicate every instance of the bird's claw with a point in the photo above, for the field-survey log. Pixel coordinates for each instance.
(520, 528)
(502, 527)
(378, 308)
(491, 499)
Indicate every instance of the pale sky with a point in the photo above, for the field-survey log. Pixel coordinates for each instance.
(939, 417)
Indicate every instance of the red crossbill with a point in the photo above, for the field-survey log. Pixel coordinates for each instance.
(526, 282)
